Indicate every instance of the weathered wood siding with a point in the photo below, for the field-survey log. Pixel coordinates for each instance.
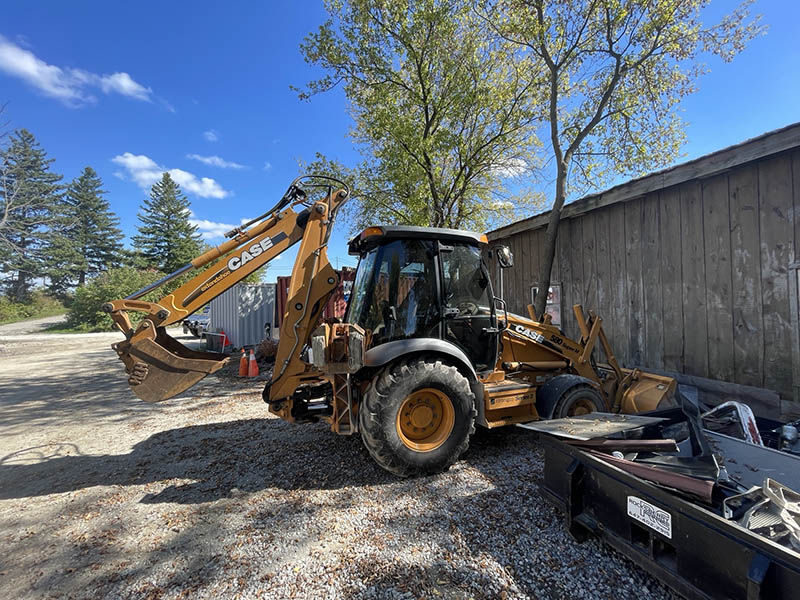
(699, 277)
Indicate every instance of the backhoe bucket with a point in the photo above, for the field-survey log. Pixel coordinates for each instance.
(161, 368)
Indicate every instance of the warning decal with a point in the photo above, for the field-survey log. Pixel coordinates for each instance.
(655, 518)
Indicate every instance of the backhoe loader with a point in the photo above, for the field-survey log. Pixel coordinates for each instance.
(425, 351)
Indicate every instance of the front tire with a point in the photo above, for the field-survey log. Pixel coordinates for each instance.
(416, 416)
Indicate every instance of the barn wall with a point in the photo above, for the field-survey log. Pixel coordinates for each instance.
(700, 277)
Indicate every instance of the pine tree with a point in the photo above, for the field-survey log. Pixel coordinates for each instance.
(86, 239)
(166, 239)
(29, 193)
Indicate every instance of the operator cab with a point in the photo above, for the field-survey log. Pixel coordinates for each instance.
(420, 282)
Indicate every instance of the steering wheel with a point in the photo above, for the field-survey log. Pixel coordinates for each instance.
(465, 307)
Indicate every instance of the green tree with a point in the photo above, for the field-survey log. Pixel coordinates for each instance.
(442, 114)
(96, 231)
(166, 239)
(86, 239)
(614, 72)
(86, 312)
(29, 192)
(60, 256)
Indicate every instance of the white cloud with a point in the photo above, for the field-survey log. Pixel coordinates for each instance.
(210, 230)
(121, 83)
(167, 105)
(511, 168)
(215, 161)
(23, 41)
(212, 135)
(144, 171)
(268, 166)
(500, 205)
(71, 86)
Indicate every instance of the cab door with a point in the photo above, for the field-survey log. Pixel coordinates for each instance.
(469, 320)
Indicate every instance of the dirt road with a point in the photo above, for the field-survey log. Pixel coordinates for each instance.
(207, 496)
(31, 326)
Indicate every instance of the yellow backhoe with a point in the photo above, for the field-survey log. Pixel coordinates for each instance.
(425, 352)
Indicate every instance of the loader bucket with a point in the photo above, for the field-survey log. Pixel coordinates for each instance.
(649, 391)
(161, 368)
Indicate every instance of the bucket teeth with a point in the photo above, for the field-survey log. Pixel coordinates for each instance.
(139, 374)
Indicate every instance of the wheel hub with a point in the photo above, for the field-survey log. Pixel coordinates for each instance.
(421, 416)
(581, 407)
(425, 420)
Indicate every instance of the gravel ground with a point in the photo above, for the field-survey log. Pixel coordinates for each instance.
(208, 496)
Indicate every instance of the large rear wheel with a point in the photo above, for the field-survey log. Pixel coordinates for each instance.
(416, 416)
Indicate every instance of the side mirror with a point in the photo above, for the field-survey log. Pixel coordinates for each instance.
(504, 257)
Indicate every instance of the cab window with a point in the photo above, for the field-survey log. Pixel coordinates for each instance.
(400, 299)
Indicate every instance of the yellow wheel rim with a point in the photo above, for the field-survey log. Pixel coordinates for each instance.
(581, 407)
(425, 420)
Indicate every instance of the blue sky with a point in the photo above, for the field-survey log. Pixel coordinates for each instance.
(134, 88)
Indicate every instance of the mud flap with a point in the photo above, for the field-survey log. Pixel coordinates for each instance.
(161, 368)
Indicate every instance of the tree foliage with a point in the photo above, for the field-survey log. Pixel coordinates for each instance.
(86, 239)
(85, 311)
(29, 193)
(442, 114)
(36, 306)
(166, 239)
(615, 72)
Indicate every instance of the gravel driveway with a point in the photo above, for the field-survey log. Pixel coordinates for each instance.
(208, 496)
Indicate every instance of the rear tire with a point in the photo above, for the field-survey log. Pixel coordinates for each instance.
(579, 400)
(416, 416)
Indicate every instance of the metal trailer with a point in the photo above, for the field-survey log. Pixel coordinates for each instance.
(696, 552)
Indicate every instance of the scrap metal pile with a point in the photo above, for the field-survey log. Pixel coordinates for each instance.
(660, 485)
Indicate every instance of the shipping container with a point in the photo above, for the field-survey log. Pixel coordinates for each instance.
(246, 313)
(337, 303)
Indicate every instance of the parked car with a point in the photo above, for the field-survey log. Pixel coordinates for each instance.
(198, 323)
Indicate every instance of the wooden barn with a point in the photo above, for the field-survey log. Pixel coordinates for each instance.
(694, 269)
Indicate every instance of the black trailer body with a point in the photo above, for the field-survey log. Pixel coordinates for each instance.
(693, 550)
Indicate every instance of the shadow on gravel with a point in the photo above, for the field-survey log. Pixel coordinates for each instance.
(222, 459)
(245, 455)
(415, 581)
(61, 395)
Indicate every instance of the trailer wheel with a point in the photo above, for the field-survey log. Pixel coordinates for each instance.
(579, 400)
(416, 416)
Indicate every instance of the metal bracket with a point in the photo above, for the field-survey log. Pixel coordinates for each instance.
(574, 504)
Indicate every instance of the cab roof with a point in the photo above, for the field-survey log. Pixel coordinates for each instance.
(373, 236)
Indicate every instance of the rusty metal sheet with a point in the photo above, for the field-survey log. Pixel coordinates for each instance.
(701, 488)
(606, 445)
(591, 426)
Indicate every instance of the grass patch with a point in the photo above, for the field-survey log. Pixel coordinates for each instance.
(61, 328)
(39, 306)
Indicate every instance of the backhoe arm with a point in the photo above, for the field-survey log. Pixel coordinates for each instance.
(159, 367)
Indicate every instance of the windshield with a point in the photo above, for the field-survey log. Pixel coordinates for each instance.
(358, 293)
(394, 293)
